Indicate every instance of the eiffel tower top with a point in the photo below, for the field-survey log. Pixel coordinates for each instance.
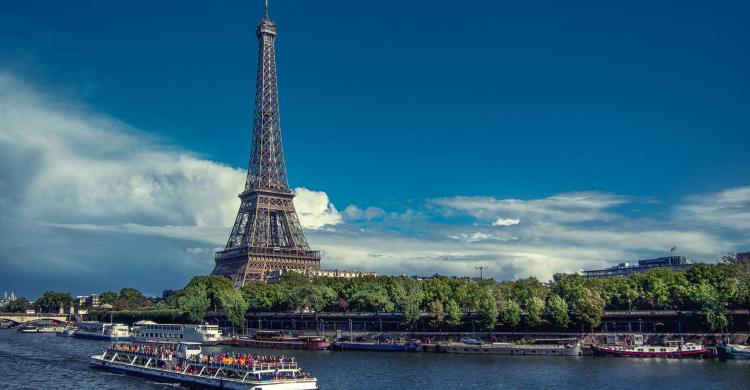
(267, 170)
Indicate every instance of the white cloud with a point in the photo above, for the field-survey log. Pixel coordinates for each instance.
(315, 209)
(506, 222)
(83, 196)
(729, 209)
(66, 167)
(567, 207)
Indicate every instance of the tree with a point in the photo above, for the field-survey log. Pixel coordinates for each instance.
(234, 305)
(407, 294)
(108, 298)
(437, 313)
(52, 301)
(589, 306)
(707, 300)
(371, 297)
(510, 314)
(534, 311)
(265, 297)
(487, 309)
(453, 314)
(195, 302)
(19, 305)
(130, 299)
(317, 297)
(557, 309)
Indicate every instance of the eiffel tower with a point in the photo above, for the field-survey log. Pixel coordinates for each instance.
(267, 234)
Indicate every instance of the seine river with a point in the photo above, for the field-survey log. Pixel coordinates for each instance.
(49, 362)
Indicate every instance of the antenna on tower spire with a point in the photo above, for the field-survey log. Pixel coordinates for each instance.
(266, 14)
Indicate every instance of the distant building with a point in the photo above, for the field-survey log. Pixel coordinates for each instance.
(744, 256)
(7, 298)
(88, 300)
(678, 263)
(274, 276)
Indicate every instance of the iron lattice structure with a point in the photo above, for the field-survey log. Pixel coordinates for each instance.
(267, 234)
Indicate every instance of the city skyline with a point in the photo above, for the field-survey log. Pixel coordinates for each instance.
(418, 141)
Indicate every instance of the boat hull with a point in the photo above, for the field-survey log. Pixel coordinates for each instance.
(173, 376)
(91, 336)
(349, 346)
(605, 351)
(280, 344)
(515, 350)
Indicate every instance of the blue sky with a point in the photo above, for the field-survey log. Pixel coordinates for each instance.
(576, 118)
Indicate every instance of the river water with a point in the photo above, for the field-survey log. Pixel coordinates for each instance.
(44, 361)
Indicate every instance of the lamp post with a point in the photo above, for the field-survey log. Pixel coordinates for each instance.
(481, 268)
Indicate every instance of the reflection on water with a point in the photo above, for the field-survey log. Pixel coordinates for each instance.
(34, 361)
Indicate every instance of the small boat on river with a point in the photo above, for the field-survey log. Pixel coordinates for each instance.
(673, 349)
(379, 345)
(185, 363)
(543, 349)
(278, 340)
(733, 351)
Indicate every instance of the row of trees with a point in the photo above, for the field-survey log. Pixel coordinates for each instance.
(709, 289)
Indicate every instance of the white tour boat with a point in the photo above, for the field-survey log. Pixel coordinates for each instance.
(149, 331)
(184, 363)
(102, 331)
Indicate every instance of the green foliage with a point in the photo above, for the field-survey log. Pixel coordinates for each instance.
(453, 314)
(130, 299)
(589, 306)
(709, 303)
(234, 305)
(19, 305)
(510, 314)
(557, 309)
(265, 297)
(534, 307)
(437, 312)
(108, 297)
(487, 309)
(51, 301)
(194, 301)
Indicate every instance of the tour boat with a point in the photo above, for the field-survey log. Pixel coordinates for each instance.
(570, 349)
(673, 349)
(277, 340)
(148, 331)
(102, 331)
(184, 363)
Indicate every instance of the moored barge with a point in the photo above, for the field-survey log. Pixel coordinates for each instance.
(184, 363)
(573, 349)
(278, 340)
(673, 349)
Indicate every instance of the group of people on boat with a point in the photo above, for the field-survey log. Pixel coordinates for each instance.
(161, 351)
(242, 359)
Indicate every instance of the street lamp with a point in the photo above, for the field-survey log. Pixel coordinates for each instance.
(481, 268)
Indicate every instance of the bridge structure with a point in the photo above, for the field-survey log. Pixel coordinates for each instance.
(20, 318)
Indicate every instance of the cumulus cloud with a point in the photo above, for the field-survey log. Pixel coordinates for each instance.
(88, 200)
(506, 222)
(314, 208)
(70, 175)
